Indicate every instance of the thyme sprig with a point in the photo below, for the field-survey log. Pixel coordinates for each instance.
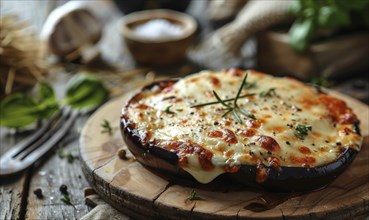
(193, 196)
(235, 109)
(106, 127)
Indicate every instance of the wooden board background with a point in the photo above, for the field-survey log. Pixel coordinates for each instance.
(141, 194)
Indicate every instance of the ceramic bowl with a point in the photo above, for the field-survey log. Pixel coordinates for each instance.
(163, 49)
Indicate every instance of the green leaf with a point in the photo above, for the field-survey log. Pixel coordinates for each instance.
(296, 8)
(18, 110)
(300, 34)
(45, 91)
(85, 91)
(95, 99)
(48, 108)
(331, 17)
(48, 105)
(364, 18)
(354, 4)
(321, 81)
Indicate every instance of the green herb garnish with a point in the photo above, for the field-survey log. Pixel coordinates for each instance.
(106, 128)
(235, 109)
(269, 93)
(249, 85)
(48, 103)
(70, 157)
(168, 111)
(20, 110)
(85, 91)
(321, 81)
(314, 16)
(60, 152)
(193, 195)
(224, 100)
(66, 199)
(302, 130)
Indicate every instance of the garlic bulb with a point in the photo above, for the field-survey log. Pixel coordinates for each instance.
(71, 31)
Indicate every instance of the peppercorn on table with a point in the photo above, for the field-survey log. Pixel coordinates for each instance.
(55, 187)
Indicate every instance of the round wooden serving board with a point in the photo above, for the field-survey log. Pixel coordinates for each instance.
(141, 194)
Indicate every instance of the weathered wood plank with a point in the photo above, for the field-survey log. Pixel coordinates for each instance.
(11, 188)
(50, 175)
(11, 196)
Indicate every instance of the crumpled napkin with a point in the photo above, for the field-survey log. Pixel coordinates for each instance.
(101, 210)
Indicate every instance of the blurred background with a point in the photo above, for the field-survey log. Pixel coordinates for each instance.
(325, 42)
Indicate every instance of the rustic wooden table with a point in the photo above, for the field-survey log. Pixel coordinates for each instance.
(17, 200)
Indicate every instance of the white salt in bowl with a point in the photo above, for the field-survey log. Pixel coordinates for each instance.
(158, 37)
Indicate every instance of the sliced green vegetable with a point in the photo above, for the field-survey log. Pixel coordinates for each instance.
(18, 110)
(85, 91)
(45, 91)
(48, 104)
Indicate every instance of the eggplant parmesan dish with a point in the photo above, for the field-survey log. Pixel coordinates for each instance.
(249, 127)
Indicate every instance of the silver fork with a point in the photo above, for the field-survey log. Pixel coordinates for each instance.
(28, 151)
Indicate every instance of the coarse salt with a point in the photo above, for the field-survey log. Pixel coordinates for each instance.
(158, 28)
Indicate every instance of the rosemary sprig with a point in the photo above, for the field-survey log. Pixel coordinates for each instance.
(239, 90)
(249, 85)
(269, 93)
(224, 100)
(235, 109)
(221, 101)
(246, 113)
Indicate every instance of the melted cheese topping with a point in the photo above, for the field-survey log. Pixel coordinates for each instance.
(209, 143)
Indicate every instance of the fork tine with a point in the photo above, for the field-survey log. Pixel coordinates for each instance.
(24, 144)
(10, 165)
(55, 138)
(52, 129)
